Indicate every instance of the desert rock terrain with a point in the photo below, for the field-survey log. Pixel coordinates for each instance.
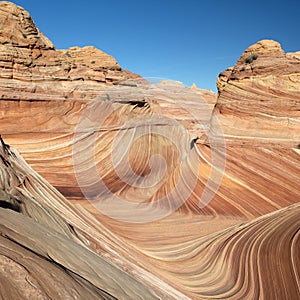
(116, 187)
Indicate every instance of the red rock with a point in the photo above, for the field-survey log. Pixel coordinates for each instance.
(219, 250)
(31, 68)
(260, 99)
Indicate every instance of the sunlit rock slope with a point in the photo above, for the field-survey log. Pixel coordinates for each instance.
(156, 190)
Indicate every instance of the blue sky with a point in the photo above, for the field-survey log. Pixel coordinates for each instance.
(190, 41)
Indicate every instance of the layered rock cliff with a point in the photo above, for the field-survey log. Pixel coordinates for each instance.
(32, 69)
(160, 191)
(259, 96)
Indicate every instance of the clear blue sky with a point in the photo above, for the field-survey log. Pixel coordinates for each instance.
(188, 40)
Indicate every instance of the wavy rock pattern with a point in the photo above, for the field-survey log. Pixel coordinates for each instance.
(224, 264)
(45, 244)
(138, 141)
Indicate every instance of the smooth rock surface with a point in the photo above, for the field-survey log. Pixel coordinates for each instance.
(94, 130)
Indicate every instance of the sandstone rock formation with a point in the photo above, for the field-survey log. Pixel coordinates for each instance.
(209, 185)
(31, 68)
(259, 96)
(45, 248)
(51, 249)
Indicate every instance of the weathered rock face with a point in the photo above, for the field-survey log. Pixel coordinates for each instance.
(18, 29)
(260, 96)
(93, 134)
(31, 68)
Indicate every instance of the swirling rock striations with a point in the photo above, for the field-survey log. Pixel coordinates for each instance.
(46, 251)
(47, 242)
(208, 184)
(42, 101)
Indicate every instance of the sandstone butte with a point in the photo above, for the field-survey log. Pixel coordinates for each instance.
(224, 207)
